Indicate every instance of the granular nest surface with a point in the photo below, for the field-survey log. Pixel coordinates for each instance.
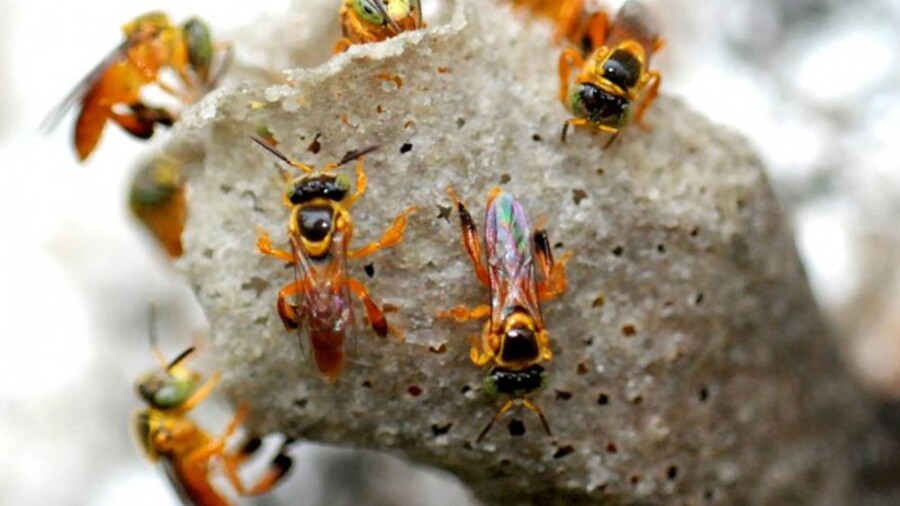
(690, 364)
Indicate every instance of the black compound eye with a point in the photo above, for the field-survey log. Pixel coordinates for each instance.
(315, 224)
(622, 69)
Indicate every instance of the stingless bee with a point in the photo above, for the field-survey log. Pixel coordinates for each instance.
(365, 21)
(514, 339)
(320, 230)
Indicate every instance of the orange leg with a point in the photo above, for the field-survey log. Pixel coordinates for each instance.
(342, 45)
(500, 412)
(199, 458)
(361, 185)
(278, 468)
(470, 238)
(596, 28)
(506, 407)
(143, 120)
(569, 59)
(264, 245)
(533, 407)
(554, 273)
(287, 311)
(463, 314)
(375, 314)
(202, 392)
(391, 237)
(484, 347)
(655, 81)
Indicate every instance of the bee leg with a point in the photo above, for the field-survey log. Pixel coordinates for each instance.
(288, 313)
(215, 447)
(264, 245)
(361, 184)
(655, 80)
(470, 238)
(342, 45)
(278, 467)
(569, 14)
(554, 273)
(375, 314)
(202, 392)
(482, 350)
(568, 59)
(533, 407)
(463, 314)
(143, 120)
(500, 412)
(391, 237)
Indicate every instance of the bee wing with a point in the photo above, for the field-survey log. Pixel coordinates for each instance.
(301, 270)
(416, 6)
(508, 240)
(82, 88)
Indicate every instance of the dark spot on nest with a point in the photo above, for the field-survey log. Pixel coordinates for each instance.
(256, 284)
(440, 430)
(439, 349)
(367, 384)
(612, 448)
(660, 248)
(698, 299)
(444, 213)
(562, 395)
(562, 451)
(703, 395)
(460, 122)
(505, 178)
(581, 369)
(672, 472)
(602, 399)
(414, 390)
(516, 427)
(618, 250)
(300, 403)
(465, 389)
(537, 138)
(598, 302)
(406, 148)
(629, 330)
(370, 269)
(315, 146)
(558, 245)
(578, 195)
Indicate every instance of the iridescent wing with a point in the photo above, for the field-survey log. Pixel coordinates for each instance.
(75, 97)
(508, 240)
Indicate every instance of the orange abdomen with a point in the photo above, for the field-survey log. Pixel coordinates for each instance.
(328, 353)
(120, 84)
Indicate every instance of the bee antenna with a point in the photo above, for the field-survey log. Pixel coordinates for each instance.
(387, 17)
(353, 155)
(281, 156)
(180, 358)
(152, 334)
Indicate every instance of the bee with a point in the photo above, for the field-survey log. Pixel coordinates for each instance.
(112, 90)
(364, 21)
(514, 339)
(320, 230)
(166, 434)
(158, 200)
(615, 78)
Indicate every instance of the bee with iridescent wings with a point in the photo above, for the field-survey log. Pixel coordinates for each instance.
(112, 90)
(166, 434)
(514, 339)
(158, 200)
(320, 230)
(615, 83)
(364, 21)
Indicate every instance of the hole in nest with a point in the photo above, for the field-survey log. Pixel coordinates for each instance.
(262, 320)
(562, 395)
(444, 213)
(505, 462)
(440, 430)
(629, 330)
(414, 390)
(598, 302)
(698, 299)
(465, 389)
(578, 195)
(635, 479)
(695, 231)
(602, 399)
(672, 472)
(439, 349)
(562, 451)
(406, 147)
(558, 245)
(226, 188)
(600, 171)
(370, 269)
(703, 394)
(208, 253)
(315, 146)
(367, 384)
(460, 122)
(505, 178)
(612, 448)
(581, 369)
(589, 341)
(537, 137)
(300, 403)
(516, 427)
(638, 399)
(618, 250)
(660, 248)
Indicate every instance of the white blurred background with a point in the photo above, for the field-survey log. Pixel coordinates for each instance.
(814, 84)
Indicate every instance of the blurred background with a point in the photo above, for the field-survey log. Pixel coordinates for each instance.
(813, 84)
